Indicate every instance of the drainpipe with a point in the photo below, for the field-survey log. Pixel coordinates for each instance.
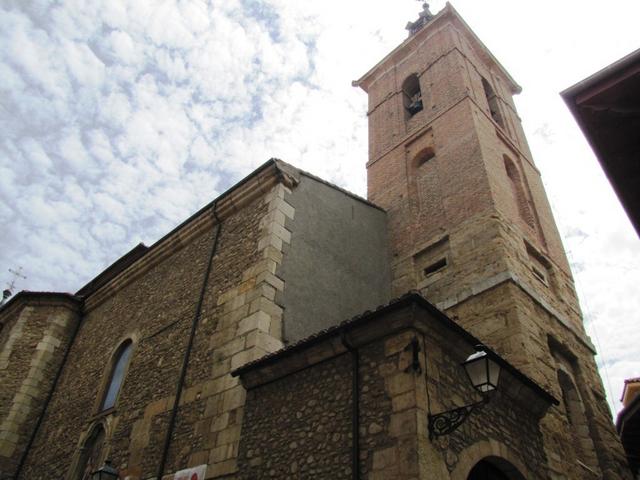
(355, 407)
(187, 353)
(47, 401)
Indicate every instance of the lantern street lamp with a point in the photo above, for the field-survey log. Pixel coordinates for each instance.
(105, 472)
(483, 372)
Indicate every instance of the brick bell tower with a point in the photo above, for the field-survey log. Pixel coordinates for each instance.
(471, 228)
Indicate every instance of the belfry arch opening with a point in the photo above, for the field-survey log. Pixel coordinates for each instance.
(412, 95)
(494, 468)
(492, 100)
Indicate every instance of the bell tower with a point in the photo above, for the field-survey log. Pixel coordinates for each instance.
(471, 228)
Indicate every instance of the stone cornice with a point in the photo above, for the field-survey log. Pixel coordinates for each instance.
(26, 298)
(508, 276)
(257, 184)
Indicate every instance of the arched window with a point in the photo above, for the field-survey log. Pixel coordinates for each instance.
(492, 100)
(518, 191)
(90, 454)
(576, 415)
(411, 95)
(116, 376)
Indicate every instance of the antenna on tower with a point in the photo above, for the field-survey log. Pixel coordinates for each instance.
(7, 292)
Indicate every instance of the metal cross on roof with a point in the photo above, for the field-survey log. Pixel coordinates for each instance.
(16, 274)
(7, 292)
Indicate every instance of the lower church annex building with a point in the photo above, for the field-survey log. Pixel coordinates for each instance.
(291, 329)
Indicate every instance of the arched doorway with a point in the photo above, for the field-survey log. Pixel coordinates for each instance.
(494, 468)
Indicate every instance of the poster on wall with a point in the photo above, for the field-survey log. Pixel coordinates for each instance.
(193, 473)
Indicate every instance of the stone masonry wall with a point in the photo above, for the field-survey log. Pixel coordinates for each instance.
(298, 426)
(503, 421)
(158, 321)
(515, 325)
(32, 350)
(239, 323)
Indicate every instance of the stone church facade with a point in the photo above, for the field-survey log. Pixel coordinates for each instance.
(291, 329)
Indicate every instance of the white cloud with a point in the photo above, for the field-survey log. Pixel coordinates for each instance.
(34, 152)
(85, 68)
(121, 117)
(123, 48)
(74, 154)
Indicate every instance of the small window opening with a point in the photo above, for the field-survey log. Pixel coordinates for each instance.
(412, 95)
(492, 100)
(518, 191)
(434, 267)
(540, 266)
(539, 275)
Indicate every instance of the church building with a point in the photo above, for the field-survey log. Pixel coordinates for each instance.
(293, 330)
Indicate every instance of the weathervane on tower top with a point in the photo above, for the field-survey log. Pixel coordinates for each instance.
(423, 18)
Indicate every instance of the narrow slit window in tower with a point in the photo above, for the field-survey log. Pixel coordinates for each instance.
(517, 188)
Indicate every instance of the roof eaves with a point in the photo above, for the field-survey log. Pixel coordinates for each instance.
(400, 302)
(141, 251)
(114, 269)
(569, 94)
(27, 295)
(626, 412)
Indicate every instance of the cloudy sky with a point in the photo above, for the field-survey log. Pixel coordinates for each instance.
(119, 118)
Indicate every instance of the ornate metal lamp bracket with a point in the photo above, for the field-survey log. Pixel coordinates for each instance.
(446, 422)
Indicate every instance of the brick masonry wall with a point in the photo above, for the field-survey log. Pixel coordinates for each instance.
(33, 347)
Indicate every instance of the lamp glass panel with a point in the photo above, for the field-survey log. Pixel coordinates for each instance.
(483, 371)
(494, 373)
(106, 472)
(477, 371)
